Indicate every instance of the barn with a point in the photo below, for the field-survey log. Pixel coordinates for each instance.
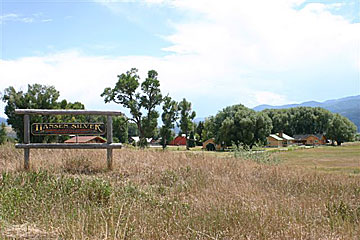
(178, 141)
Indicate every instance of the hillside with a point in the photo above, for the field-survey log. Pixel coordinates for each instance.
(348, 107)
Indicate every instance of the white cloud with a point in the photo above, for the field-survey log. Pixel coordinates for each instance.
(227, 52)
(13, 17)
(270, 98)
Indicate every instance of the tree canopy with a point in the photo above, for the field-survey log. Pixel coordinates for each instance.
(341, 129)
(125, 92)
(187, 116)
(168, 117)
(240, 125)
(37, 97)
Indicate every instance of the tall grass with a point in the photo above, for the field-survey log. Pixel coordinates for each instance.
(170, 195)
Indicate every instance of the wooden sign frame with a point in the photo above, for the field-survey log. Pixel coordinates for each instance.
(109, 145)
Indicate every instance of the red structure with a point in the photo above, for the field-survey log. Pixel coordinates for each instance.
(178, 141)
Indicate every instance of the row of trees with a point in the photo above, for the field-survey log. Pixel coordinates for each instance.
(302, 120)
(236, 124)
(141, 100)
(242, 126)
(37, 97)
(142, 105)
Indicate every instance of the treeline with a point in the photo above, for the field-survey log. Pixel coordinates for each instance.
(243, 126)
(236, 124)
(140, 98)
(37, 97)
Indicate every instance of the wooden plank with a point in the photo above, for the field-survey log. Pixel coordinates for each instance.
(26, 141)
(66, 112)
(109, 136)
(70, 146)
(109, 158)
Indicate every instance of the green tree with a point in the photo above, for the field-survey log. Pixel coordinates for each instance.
(240, 125)
(125, 93)
(199, 132)
(37, 97)
(191, 140)
(132, 129)
(209, 128)
(341, 130)
(186, 118)
(120, 129)
(3, 135)
(169, 117)
(300, 120)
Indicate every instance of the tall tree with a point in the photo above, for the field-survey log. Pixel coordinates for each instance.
(242, 126)
(3, 136)
(169, 117)
(199, 132)
(209, 128)
(37, 97)
(341, 129)
(120, 129)
(187, 115)
(125, 93)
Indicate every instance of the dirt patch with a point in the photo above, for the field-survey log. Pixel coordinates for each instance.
(26, 231)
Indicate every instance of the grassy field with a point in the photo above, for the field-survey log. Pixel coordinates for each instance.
(152, 194)
(344, 159)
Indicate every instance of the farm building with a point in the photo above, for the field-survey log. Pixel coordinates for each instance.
(178, 141)
(210, 145)
(279, 140)
(287, 140)
(86, 139)
(310, 139)
(274, 141)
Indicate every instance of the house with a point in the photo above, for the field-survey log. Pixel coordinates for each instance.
(86, 139)
(279, 140)
(210, 145)
(178, 141)
(310, 139)
(274, 141)
(287, 140)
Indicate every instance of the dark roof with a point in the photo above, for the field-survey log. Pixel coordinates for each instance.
(84, 139)
(304, 136)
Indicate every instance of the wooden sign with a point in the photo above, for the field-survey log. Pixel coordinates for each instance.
(68, 128)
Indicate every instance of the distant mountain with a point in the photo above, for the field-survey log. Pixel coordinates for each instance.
(348, 107)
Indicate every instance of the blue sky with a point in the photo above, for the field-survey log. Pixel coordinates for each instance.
(214, 53)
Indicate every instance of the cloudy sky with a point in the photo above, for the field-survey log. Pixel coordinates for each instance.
(213, 53)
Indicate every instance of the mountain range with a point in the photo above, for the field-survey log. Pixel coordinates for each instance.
(348, 107)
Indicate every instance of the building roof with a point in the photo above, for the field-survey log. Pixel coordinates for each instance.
(137, 139)
(85, 139)
(276, 137)
(305, 136)
(284, 136)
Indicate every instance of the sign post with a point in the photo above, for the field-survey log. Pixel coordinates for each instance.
(67, 129)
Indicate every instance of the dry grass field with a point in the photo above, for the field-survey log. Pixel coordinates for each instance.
(68, 194)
